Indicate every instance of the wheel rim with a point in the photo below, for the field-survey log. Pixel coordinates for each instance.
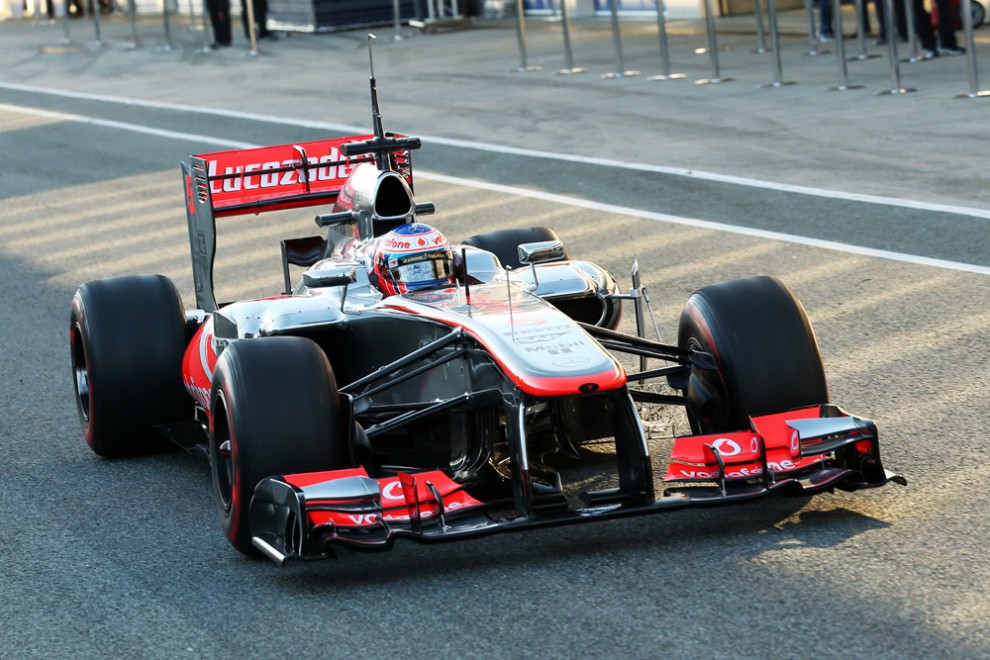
(223, 461)
(80, 371)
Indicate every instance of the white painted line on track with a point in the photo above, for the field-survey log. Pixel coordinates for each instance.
(517, 151)
(544, 196)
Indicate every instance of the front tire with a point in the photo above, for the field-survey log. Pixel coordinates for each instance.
(275, 410)
(764, 348)
(127, 338)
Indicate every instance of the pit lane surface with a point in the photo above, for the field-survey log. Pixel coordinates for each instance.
(125, 558)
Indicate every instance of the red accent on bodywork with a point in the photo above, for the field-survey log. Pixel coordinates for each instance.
(244, 181)
(778, 435)
(692, 458)
(395, 507)
(198, 364)
(304, 479)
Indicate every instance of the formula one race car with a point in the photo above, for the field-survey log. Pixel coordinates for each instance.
(409, 388)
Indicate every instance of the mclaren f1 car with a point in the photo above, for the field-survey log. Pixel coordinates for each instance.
(405, 387)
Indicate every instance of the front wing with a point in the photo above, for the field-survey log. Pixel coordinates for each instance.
(799, 452)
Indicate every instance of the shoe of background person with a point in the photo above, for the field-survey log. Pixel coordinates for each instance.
(826, 38)
(929, 54)
(267, 34)
(952, 52)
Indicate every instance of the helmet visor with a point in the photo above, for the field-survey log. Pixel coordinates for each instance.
(422, 268)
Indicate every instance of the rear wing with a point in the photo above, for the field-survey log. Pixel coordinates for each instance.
(239, 182)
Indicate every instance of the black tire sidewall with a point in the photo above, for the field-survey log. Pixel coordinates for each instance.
(130, 334)
(276, 399)
(763, 344)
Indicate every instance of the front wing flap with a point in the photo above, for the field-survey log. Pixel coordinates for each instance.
(802, 451)
(822, 442)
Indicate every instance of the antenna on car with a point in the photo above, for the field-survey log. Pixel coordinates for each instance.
(508, 291)
(382, 146)
(376, 113)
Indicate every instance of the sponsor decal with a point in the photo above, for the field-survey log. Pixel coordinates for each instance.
(262, 175)
(555, 349)
(541, 334)
(570, 362)
(679, 472)
(727, 447)
(520, 320)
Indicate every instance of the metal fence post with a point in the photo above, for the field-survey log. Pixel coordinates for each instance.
(760, 32)
(974, 84)
(396, 21)
(207, 28)
(565, 24)
(168, 27)
(840, 48)
(809, 8)
(861, 34)
(132, 19)
(913, 39)
(895, 69)
(252, 32)
(96, 23)
(712, 48)
(520, 36)
(620, 70)
(665, 73)
(62, 16)
(778, 76)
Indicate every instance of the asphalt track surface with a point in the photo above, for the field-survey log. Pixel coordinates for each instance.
(888, 253)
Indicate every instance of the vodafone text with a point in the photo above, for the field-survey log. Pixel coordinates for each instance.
(783, 466)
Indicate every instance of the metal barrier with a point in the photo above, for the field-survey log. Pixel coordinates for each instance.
(565, 23)
(909, 14)
(840, 48)
(974, 84)
(778, 75)
(761, 34)
(665, 73)
(34, 11)
(620, 67)
(716, 76)
(861, 33)
(809, 10)
(895, 69)
(524, 66)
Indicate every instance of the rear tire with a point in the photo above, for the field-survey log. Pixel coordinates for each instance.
(275, 410)
(504, 243)
(764, 347)
(127, 337)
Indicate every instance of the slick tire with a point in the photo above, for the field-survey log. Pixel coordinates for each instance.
(127, 338)
(979, 14)
(764, 348)
(504, 243)
(275, 410)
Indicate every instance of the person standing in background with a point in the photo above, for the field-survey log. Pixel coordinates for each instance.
(220, 19)
(260, 19)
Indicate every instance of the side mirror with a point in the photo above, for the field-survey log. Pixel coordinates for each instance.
(533, 253)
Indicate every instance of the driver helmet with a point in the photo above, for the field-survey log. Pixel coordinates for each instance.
(412, 256)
